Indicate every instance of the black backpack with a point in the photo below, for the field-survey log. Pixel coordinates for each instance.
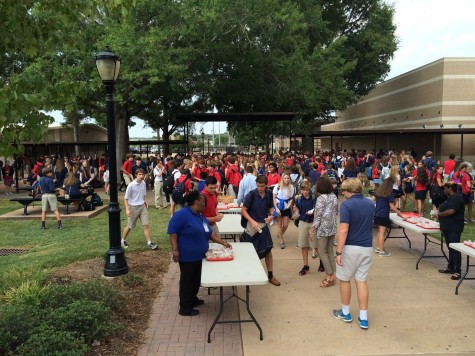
(224, 181)
(168, 183)
(178, 192)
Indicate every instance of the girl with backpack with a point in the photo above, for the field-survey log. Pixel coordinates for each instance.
(283, 194)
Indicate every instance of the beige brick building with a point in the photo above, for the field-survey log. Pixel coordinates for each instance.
(428, 108)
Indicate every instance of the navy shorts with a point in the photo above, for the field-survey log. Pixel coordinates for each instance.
(421, 194)
(382, 221)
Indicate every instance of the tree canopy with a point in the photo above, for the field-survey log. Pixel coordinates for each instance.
(305, 56)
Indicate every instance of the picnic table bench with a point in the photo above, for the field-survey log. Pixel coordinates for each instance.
(27, 201)
(25, 188)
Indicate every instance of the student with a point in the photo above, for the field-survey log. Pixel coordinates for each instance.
(324, 228)
(136, 208)
(384, 203)
(283, 194)
(408, 186)
(48, 198)
(421, 176)
(257, 210)
(354, 250)
(304, 204)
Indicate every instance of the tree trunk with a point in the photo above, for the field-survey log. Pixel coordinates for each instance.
(75, 124)
(166, 137)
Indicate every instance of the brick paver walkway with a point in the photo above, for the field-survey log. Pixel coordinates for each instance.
(172, 334)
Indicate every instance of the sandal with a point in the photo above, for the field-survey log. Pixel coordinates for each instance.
(455, 277)
(327, 283)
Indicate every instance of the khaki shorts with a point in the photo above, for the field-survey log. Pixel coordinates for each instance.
(127, 179)
(304, 228)
(49, 202)
(137, 212)
(356, 263)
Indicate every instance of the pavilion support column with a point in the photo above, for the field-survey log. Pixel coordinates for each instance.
(308, 144)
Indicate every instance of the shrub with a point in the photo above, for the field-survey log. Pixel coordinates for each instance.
(72, 315)
(17, 276)
(132, 280)
(88, 319)
(96, 290)
(29, 292)
(45, 340)
(16, 324)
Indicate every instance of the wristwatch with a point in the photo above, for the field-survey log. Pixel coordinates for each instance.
(338, 253)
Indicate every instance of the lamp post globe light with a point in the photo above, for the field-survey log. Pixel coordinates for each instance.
(108, 65)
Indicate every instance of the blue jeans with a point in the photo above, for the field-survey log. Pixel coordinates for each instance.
(455, 257)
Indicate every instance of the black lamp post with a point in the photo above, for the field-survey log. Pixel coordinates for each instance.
(108, 65)
(203, 140)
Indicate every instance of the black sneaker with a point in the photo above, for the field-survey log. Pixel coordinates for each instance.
(124, 244)
(152, 246)
(198, 302)
(60, 227)
(191, 312)
(42, 227)
(304, 270)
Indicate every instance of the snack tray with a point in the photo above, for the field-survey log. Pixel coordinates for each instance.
(469, 244)
(217, 253)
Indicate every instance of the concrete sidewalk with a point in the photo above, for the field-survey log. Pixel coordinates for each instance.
(411, 312)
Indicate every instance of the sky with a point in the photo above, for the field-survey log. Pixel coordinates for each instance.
(427, 30)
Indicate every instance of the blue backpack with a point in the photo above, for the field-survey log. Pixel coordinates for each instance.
(369, 173)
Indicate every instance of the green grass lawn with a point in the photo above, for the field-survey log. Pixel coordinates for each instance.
(79, 240)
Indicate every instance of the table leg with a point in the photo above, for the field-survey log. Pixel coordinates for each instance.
(251, 315)
(462, 277)
(426, 242)
(221, 303)
(398, 237)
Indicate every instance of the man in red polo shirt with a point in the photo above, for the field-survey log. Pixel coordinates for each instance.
(211, 209)
(273, 176)
(127, 169)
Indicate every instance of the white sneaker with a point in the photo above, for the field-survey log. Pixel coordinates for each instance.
(272, 223)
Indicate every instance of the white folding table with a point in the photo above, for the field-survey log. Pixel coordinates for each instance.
(470, 252)
(230, 210)
(244, 270)
(413, 227)
(230, 224)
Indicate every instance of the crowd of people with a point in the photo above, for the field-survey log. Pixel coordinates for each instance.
(275, 190)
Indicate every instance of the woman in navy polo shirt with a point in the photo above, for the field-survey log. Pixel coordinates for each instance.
(189, 234)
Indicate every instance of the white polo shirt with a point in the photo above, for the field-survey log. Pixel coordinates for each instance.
(135, 193)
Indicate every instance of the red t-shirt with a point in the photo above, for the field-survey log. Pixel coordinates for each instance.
(188, 185)
(127, 166)
(419, 185)
(273, 179)
(449, 166)
(211, 204)
(464, 178)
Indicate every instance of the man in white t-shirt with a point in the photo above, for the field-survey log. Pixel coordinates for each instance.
(160, 199)
(136, 207)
